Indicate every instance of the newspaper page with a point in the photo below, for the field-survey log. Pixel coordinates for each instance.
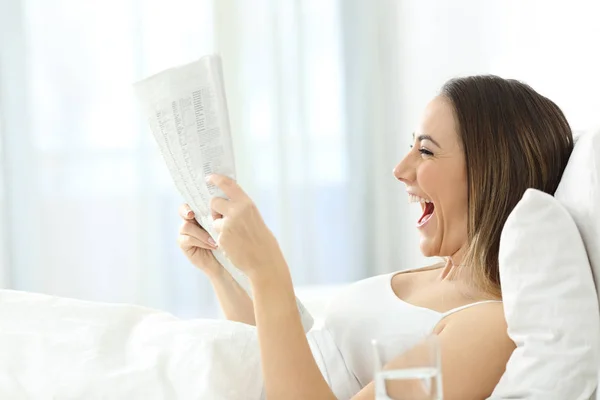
(187, 113)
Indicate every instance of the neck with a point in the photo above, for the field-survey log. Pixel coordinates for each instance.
(454, 272)
(451, 270)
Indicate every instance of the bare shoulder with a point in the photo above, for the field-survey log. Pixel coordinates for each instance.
(487, 316)
(475, 348)
(482, 325)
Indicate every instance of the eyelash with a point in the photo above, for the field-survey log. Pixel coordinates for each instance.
(423, 151)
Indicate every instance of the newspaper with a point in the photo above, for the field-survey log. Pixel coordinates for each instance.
(186, 109)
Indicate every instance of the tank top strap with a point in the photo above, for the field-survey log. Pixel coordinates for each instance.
(457, 309)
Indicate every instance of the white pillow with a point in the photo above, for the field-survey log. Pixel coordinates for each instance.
(579, 192)
(550, 304)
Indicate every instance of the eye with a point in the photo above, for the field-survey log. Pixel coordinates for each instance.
(425, 152)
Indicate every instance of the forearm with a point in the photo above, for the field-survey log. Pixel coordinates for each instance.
(289, 368)
(234, 301)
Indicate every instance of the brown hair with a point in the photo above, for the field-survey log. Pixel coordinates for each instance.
(513, 139)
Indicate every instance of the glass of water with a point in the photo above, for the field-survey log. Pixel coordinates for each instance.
(407, 368)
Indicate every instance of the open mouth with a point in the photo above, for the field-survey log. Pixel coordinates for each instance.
(426, 205)
(428, 209)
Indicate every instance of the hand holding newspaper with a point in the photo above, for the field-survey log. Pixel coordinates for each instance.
(186, 109)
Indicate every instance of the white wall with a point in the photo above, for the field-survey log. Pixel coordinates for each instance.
(555, 47)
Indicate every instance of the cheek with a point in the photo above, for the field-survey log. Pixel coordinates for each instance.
(450, 194)
(428, 177)
(441, 187)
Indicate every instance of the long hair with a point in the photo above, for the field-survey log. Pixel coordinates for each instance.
(513, 139)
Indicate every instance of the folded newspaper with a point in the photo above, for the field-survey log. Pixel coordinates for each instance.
(186, 109)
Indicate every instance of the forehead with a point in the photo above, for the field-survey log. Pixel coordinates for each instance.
(438, 121)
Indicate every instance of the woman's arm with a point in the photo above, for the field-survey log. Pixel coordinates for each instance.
(289, 369)
(234, 301)
(197, 245)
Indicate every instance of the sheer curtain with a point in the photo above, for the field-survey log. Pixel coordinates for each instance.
(89, 209)
(313, 101)
(91, 212)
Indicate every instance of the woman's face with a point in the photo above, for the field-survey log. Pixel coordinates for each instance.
(434, 173)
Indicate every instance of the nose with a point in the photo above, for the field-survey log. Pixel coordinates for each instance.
(405, 171)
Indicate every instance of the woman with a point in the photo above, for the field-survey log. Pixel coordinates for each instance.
(480, 144)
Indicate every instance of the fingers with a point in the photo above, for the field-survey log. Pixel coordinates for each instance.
(219, 207)
(228, 186)
(186, 212)
(195, 231)
(187, 242)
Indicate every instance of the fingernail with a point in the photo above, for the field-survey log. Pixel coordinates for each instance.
(189, 214)
(212, 242)
(208, 178)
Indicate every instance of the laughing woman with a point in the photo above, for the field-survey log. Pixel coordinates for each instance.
(480, 144)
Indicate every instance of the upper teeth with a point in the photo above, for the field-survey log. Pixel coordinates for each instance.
(416, 199)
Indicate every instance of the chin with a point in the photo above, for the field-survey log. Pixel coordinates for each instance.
(428, 249)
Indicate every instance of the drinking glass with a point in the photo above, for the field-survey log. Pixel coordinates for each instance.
(407, 368)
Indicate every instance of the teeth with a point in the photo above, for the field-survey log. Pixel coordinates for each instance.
(416, 199)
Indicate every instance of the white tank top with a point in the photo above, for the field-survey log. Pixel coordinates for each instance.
(364, 311)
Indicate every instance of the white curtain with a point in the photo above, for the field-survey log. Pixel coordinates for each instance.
(315, 107)
(323, 97)
(89, 209)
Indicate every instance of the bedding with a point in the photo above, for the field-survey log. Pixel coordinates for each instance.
(58, 348)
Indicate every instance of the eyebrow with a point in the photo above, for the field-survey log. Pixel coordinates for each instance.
(427, 137)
